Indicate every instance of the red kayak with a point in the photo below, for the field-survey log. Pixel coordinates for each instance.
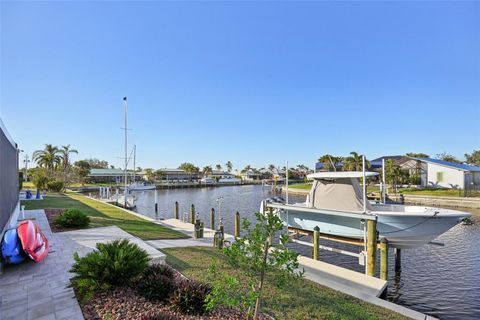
(34, 242)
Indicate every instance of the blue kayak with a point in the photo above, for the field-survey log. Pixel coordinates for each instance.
(12, 250)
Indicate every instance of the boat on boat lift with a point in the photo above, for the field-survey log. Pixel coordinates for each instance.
(338, 206)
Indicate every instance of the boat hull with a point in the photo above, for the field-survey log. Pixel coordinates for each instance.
(403, 230)
(12, 250)
(34, 242)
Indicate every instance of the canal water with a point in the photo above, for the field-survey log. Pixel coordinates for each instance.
(440, 281)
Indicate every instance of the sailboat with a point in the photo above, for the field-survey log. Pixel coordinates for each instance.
(337, 205)
(138, 185)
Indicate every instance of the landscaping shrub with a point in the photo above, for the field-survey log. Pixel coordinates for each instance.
(189, 297)
(156, 282)
(55, 186)
(156, 287)
(158, 269)
(73, 218)
(111, 264)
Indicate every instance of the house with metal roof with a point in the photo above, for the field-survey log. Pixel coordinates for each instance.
(443, 174)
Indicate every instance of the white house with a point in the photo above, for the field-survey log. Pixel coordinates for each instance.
(443, 174)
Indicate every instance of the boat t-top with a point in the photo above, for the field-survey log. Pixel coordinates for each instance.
(337, 204)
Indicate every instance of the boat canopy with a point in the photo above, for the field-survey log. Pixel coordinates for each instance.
(340, 174)
(343, 194)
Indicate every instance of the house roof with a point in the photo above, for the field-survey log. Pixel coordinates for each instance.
(105, 172)
(458, 166)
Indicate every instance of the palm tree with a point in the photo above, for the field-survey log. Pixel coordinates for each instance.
(218, 167)
(229, 166)
(149, 174)
(330, 162)
(158, 174)
(207, 170)
(271, 167)
(247, 168)
(47, 158)
(354, 162)
(65, 152)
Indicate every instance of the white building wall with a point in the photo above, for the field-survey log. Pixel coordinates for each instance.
(451, 177)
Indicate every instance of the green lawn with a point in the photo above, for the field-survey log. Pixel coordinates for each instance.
(102, 215)
(302, 299)
(303, 186)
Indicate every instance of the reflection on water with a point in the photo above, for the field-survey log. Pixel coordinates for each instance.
(440, 281)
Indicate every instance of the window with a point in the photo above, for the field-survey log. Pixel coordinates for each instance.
(439, 176)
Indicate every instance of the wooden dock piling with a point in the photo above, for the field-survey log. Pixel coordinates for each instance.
(316, 243)
(384, 259)
(398, 260)
(237, 225)
(192, 214)
(212, 219)
(175, 210)
(371, 246)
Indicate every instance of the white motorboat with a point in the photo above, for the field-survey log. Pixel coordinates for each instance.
(229, 180)
(337, 205)
(207, 181)
(140, 186)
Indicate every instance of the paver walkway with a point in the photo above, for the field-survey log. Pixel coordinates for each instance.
(40, 290)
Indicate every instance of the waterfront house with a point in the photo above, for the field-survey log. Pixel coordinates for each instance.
(435, 173)
(111, 175)
(175, 175)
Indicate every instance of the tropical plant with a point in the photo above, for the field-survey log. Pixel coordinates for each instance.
(473, 158)
(39, 178)
(447, 157)
(218, 167)
(158, 174)
(354, 162)
(229, 166)
(330, 163)
(97, 164)
(82, 169)
(149, 174)
(207, 170)
(55, 185)
(189, 297)
(73, 218)
(259, 263)
(189, 167)
(48, 158)
(271, 167)
(111, 264)
(156, 285)
(65, 152)
(247, 168)
(394, 174)
(417, 155)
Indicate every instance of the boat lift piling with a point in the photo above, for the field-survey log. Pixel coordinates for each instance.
(192, 214)
(175, 210)
(212, 218)
(237, 225)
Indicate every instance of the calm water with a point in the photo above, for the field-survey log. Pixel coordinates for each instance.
(441, 281)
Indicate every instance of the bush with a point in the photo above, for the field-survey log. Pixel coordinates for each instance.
(156, 287)
(112, 264)
(73, 218)
(189, 297)
(55, 186)
(158, 269)
(156, 282)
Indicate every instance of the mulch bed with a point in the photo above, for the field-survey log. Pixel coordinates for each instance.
(52, 214)
(125, 303)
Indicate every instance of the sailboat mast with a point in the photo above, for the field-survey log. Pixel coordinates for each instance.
(126, 156)
(134, 162)
(364, 186)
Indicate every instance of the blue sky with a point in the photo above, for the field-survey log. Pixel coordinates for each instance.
(250, 82)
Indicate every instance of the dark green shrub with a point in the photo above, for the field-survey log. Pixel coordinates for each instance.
(55, 186)
(189, 297)
(111, 264)
(156, 287)
(73, 218)
(158, 269)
